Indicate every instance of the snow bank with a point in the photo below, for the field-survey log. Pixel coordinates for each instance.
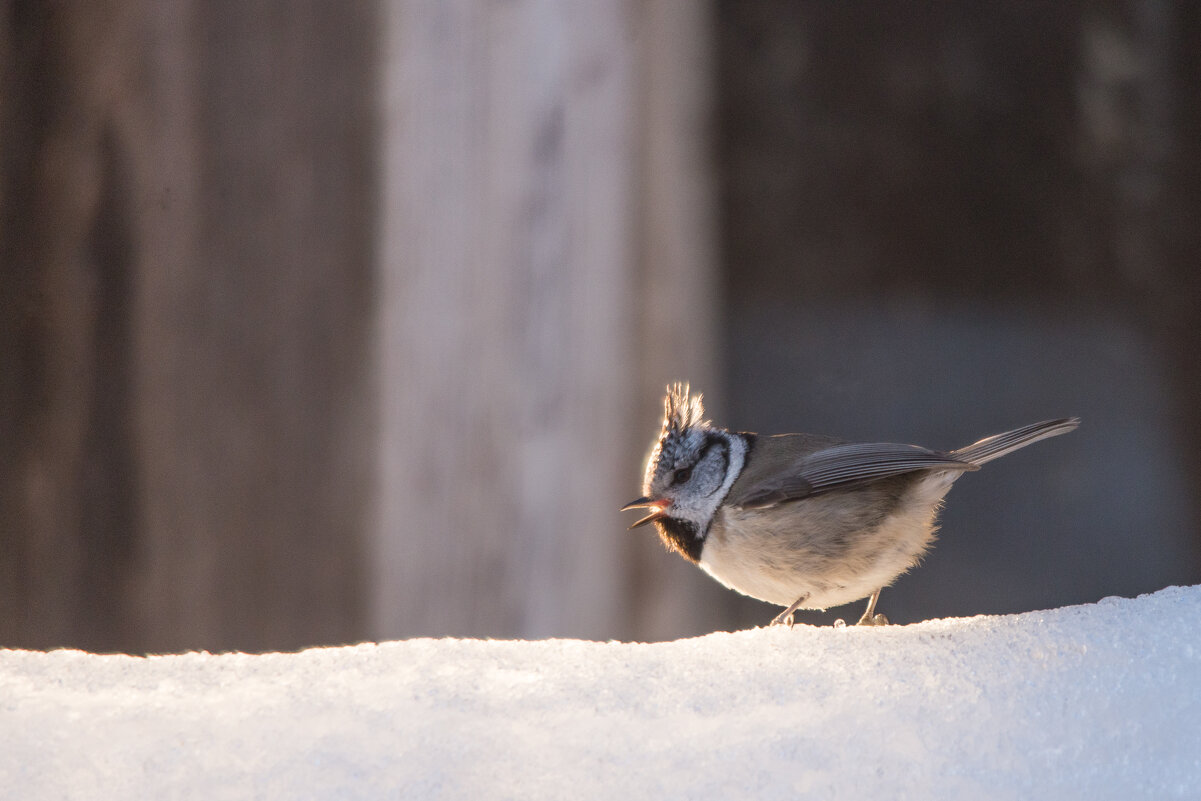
(1100, 701)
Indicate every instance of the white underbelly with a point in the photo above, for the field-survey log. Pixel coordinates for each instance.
(779, 559)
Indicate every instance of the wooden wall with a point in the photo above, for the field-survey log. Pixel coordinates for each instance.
(188, 206)
(324, 321)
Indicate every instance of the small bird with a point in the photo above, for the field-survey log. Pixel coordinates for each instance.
(801, 520)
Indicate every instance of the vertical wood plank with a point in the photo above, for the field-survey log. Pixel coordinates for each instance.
(506, 259)
(187, 216)
(523, 167)
(255, 402)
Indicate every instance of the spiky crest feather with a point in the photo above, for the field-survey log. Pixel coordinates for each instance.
(681, 409)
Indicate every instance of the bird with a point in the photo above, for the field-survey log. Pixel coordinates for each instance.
(802, 521)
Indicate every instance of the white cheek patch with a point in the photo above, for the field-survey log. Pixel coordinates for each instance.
(700, 511)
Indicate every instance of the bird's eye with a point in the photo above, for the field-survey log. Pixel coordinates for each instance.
(682, 476)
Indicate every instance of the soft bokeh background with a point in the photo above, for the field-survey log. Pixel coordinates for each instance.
(322, 322)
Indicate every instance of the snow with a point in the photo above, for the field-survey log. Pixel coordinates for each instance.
(1098, 701)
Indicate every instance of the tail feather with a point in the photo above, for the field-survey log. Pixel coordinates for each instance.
(998, 445)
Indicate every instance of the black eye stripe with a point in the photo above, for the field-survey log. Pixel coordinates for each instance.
(725, 459)
(709, 443)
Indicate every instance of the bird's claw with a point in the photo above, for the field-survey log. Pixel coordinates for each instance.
(782, 619)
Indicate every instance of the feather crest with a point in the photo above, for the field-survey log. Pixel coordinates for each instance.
(682, 409)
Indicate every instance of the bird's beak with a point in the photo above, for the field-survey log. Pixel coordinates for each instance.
(639, 503)
(659, 506)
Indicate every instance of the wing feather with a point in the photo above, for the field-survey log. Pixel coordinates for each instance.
(842, 466)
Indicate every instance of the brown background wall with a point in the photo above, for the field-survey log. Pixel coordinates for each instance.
(220, 225)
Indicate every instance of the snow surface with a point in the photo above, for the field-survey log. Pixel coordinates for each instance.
(1099, 701)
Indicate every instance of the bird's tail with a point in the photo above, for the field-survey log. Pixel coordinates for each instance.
(998, 445)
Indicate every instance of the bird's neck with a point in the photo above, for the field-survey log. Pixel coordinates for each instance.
(681, 536)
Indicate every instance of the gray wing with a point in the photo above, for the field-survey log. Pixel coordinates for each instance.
(839, 467)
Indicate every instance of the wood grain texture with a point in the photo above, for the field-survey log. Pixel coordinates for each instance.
(527, 250)
(188, 217)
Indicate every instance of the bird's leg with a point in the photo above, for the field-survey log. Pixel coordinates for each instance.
(870, 618)
(785, 617)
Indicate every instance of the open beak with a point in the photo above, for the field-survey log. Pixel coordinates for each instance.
(660, 507)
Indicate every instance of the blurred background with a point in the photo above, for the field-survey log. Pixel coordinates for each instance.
(323, 322)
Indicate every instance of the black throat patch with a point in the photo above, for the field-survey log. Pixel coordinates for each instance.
(680, 536)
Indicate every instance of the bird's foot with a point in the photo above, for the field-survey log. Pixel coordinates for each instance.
(783, 619)
(870, 618)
